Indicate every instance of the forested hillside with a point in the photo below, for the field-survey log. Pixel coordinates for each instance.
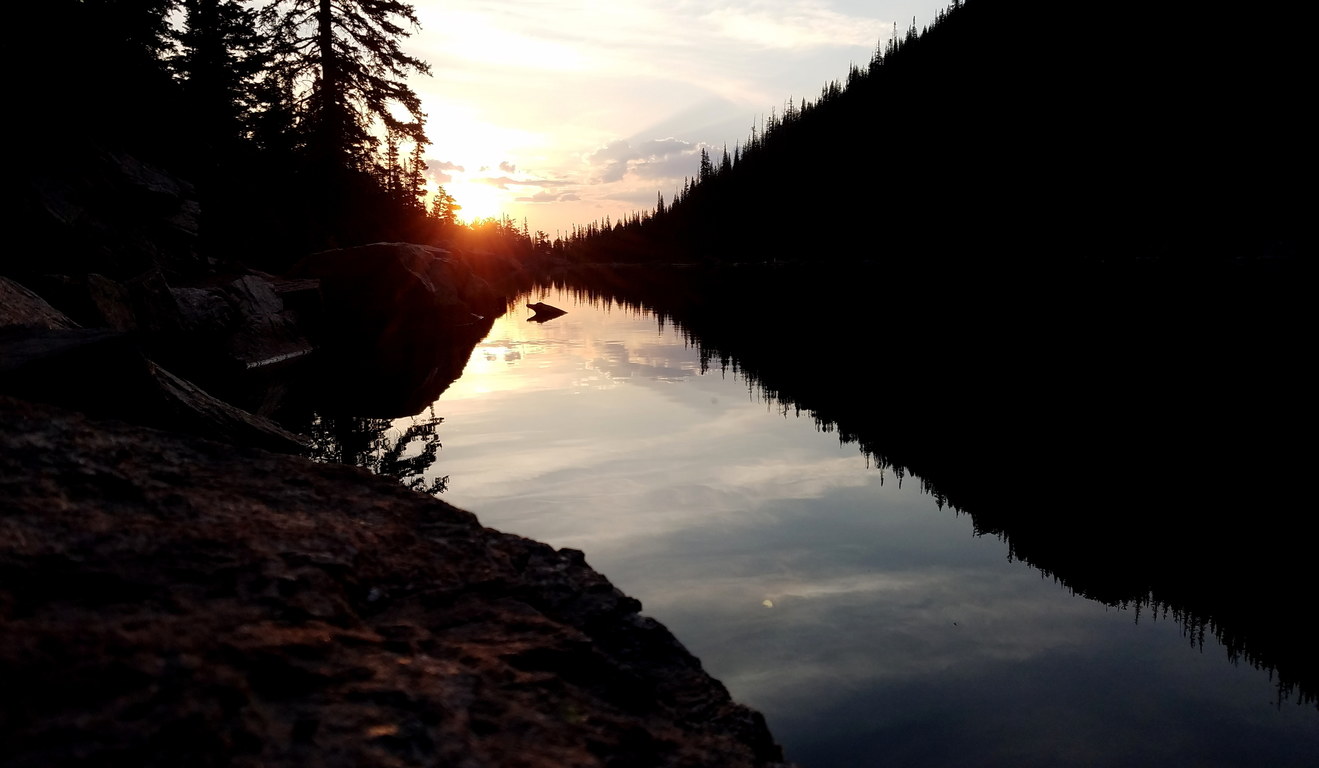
(1014, 131)
(291, 123)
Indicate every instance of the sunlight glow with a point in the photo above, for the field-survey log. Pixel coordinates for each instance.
(474, 39)
(798, 28)
(479, 201)
(542, 87)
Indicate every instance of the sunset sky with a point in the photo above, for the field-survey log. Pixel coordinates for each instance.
(563, 112)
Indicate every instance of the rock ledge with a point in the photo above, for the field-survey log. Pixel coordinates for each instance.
(165, 600)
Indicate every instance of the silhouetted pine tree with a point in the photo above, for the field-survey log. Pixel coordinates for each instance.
(350, 51)
(219, 58)
(416, 178)
(392, 171)
(707, 168)
(82, 63)
(444, 208)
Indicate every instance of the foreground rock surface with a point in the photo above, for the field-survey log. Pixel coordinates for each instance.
(171, 601)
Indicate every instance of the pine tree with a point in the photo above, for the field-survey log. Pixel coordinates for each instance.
(416, 177)
(347, 54)
(444, 208)
(220, 57)
(98, 61)
(392, 180)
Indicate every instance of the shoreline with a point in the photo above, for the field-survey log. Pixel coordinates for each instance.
(174, 599)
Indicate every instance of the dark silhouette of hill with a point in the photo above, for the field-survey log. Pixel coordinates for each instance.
(1018, 131)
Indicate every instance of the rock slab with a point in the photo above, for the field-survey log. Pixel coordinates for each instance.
(166, 600)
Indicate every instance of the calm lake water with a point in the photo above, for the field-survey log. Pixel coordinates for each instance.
(869, 625)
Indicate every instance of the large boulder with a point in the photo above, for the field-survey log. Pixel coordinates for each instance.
(399, 321)
(141, 304)
(244, 322)
(108, 212)
(216, 333)
(386, 289)
(103, 373)
(21, 308)
(171, 601)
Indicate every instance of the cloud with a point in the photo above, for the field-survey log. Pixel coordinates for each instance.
(498, 182)
(658, 149)
(553, 83)
(639, 199)
(614, 151)
(796, 26)
(654, 158)
(673, 166)
(548, 196)
(612, 160)
(504, 182)
(437, 170)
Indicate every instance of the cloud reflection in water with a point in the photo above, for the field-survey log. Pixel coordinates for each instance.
(893, 635)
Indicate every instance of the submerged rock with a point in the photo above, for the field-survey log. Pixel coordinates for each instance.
(544, 312)
(166, 600)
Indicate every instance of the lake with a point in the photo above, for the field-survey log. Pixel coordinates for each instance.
(868, 622)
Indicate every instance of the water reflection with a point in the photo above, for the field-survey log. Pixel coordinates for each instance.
(866, 620)
(1131, 432)
(404, 449)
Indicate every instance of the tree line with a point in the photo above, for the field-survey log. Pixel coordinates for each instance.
(1012, 131)
(294, 118)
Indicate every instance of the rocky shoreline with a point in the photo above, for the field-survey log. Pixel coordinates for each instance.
(178, 586)
(169, 600)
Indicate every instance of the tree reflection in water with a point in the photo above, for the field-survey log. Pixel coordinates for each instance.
(1149, 413)
(383, 446)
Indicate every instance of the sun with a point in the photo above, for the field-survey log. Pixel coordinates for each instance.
(479, 201)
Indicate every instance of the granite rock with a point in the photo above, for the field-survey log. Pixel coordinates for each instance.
(166, 600)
